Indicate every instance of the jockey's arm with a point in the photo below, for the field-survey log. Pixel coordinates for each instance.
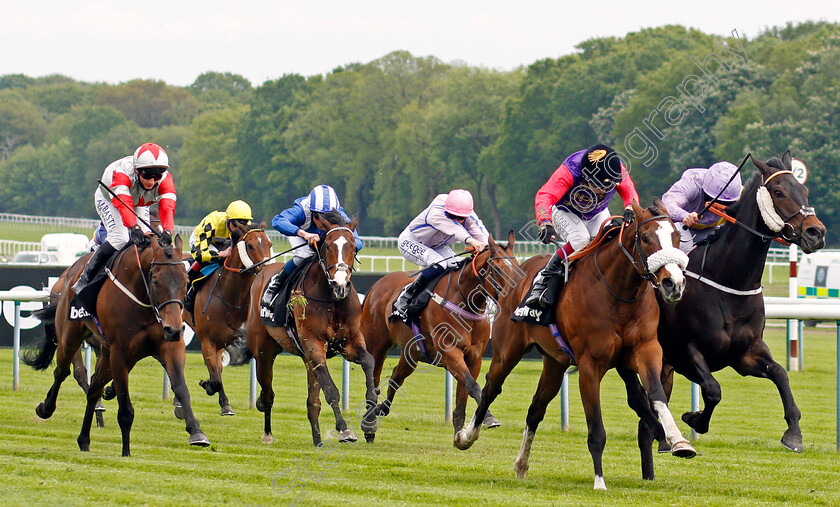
(560, 182)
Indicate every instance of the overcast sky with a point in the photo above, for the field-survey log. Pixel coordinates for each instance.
(177, 40)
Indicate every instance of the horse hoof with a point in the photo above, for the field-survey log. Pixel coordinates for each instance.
(267, 438)
(491, 422)
(462, 441)
(109, 393)
(200, 439)
(179, 412)
(100, 407)
(226, 410)
(683, 449)
(369, 437)
(792, 442)
(346, 436)
(520, 469)
(381, 410)
(693, 420)
(42, 412)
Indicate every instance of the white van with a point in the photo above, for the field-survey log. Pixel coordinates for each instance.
(66, 246)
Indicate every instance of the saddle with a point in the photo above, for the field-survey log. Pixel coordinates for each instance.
(83, 304)
(275, 313)
(419, 303)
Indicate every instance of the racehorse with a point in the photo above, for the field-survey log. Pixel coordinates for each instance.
(221, 304)
(326, 313)
(453, 328)
(139, 315)
(720, 320)
(606, 317)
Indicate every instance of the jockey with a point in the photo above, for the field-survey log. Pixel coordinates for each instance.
(138, 181)
(688, 196)
(297, 223)
(575, 200)
(425, 242)
(214, 230)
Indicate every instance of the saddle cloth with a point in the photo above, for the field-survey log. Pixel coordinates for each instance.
(276, 312)
(83, 304)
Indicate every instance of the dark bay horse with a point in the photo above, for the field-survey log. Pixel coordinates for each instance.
(607, 317)
(720, 320)
(454, 338)
(327, 313)
(221, 304)
(139, 315)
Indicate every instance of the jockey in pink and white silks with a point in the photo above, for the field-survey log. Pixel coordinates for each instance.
(427, 239)
(689, 195)
(137, 181)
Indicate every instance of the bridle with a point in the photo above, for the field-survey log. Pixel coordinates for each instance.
(490, 273)
(247, 263)
(340, 265)
(146, 282)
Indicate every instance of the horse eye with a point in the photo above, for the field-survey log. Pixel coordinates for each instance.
(645, 239)
(778, 193)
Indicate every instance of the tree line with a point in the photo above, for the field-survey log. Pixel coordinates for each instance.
(391, 134)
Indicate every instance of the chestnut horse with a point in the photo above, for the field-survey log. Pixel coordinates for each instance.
(606, 317)
(221, 304)
(720, 320)
(326, 312)
(139, 315)
(454, 331)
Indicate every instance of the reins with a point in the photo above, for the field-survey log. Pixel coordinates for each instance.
(134, 298)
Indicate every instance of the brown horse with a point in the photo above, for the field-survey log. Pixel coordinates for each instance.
(454, 329)
(608, 315)
(139, 315)
(221, 305)
(326, 312)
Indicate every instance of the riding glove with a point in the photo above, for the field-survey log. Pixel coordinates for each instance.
(629, 216)
(138, 237)
(546, 232)
(166, 237)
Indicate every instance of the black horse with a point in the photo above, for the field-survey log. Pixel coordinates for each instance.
(720, 320)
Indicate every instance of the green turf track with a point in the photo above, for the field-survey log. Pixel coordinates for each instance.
(740, 462)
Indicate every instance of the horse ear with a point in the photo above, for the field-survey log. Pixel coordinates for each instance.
(491, 241)
(353, 223)
(787, 159)
(319, 223)
(658, 204)
(761, 166)
(262, 224)
(637, 210)
(179, 243)
(511, 239)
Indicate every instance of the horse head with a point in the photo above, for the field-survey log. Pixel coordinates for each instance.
(496, 268)
(166, 283)
(251, 247)
(337, 251)
(783, 204)
(657, 246)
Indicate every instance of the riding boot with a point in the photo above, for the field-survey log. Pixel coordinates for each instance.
(189, 298)
(273, 288)
(94, 265)
(407, 296)
(547, 283)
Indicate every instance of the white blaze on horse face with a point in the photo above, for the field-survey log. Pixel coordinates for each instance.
(341, 275)
(665, 231)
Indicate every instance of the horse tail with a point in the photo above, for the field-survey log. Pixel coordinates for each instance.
(40, 356)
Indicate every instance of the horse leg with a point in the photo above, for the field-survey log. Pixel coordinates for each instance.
(501, 366)
(67, 336)
(758, 362)
(709, 387)
(313, 406)
(224, 402)
(649, 363)
(590, 374)
(453, 361)
(356, 352)
(172, 356)
(402, 370)
(125, 413)
(550, 381)
(101, 376)
(80, 373)
(473, 360)
(638, 400)
(265, 375)
(317, 360)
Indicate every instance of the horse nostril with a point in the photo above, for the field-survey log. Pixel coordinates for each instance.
(814, 232)
(668, 284)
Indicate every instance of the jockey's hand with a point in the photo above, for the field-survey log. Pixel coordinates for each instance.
(629, 215)
(226, 252)
(310, 237)
(546, 232)
(166, 236)
(477, 245)
(691, 219)
(138, 237)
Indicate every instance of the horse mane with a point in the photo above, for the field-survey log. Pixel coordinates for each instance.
(750, 188)
(334, 217)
